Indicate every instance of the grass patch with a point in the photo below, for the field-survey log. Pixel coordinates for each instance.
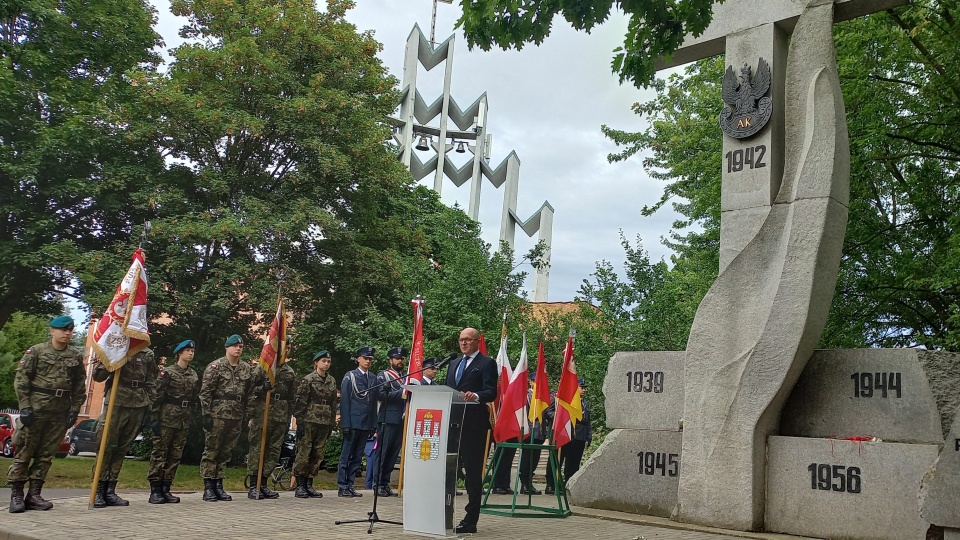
(77, 472)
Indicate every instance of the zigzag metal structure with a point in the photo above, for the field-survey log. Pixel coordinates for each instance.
(470, 130)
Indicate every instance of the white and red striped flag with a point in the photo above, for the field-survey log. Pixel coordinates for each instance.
(274, 352)
(122, 331)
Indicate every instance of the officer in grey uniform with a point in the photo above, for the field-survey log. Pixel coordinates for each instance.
(51, 387)
(278, 424)
(136, 391)
(226, 391)
(315, 408)
(390, 419)
(358, 417)
(173, 408)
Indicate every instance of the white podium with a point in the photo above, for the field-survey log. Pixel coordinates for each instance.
(430, 459)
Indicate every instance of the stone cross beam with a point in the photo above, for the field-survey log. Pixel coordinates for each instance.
(735, 16)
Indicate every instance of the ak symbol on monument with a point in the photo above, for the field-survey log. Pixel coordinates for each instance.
(748, 106)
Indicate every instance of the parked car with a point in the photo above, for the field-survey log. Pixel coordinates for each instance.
(8, 425)
(83, 437)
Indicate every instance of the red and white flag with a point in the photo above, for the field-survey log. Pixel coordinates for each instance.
(416, 350)
(512, 419)
(274, 352)
(122, 331)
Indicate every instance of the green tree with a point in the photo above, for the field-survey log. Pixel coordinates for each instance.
(67, 161)
(21, 332)
(656, 28)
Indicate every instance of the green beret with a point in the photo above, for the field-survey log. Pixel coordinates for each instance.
(322, 354)
(233, 340)
(63, 321)
(185, 344)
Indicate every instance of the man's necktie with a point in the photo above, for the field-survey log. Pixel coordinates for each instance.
(463, 364)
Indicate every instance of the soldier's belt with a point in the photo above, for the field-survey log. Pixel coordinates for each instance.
(281, 397)
(229, 397)
(133, 383)
(179, 402)
(55, 392)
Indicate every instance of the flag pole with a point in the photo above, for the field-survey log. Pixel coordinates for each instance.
(104, 435)
(266, 404)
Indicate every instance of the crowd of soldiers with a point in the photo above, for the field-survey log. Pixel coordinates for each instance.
(160, 401)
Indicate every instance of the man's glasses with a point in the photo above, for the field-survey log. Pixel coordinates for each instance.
(468, 340)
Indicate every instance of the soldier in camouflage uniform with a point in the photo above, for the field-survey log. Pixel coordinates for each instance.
(225, 394)
(51, 387)
(315, 409)
(131, 413)
(175, 404)
(278, 424)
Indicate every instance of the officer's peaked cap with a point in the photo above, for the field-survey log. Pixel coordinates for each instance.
(397, 352)
(366, 351)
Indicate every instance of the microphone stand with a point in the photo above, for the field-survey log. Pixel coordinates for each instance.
(372, 516)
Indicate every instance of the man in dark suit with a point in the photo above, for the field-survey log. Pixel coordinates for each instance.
(475, 376)
(358, 417)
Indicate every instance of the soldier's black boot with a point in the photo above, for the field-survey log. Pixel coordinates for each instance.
(167, 496)
(218, 489)
(312, 492)
(16, 498)
(110, 495)
(156, 493)
(267, 492)
(253, 492)
(98, 500)
(209, 494)
(301, 491)
(33, 500)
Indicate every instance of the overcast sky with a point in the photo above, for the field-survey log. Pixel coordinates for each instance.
(547, 104)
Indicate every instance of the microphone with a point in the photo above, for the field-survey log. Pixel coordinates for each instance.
(447, 360)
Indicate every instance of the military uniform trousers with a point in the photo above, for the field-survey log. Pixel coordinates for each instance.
(388, 449)
(218, 447)
(124, 428)
(36, 447)
(310, 449)
(350, 456)
(276, 431)
(166, 454)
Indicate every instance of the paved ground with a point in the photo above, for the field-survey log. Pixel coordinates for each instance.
(293, 518)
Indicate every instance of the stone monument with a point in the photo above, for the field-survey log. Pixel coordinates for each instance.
(784, 208)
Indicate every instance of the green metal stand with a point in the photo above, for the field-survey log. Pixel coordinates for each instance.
(529, 509)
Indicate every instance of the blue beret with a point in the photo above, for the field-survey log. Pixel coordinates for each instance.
(366, 351)
(63, 321)
(397, 352)
(429, 363)
(185, 344)
(322, 354)
(233, 340)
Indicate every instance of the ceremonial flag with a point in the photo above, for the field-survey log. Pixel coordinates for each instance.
(122, 331)
(569, 410)
(274, 352)
(416, 351)
(483, 346)
(540, 399)
(512, 420)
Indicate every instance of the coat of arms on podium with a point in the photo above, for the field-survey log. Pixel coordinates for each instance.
(426, 433)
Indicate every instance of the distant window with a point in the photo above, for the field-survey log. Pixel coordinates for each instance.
(4, 421)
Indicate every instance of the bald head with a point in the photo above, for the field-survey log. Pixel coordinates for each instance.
(469, 341)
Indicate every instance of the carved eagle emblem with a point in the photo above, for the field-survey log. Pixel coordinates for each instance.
(747, 107)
